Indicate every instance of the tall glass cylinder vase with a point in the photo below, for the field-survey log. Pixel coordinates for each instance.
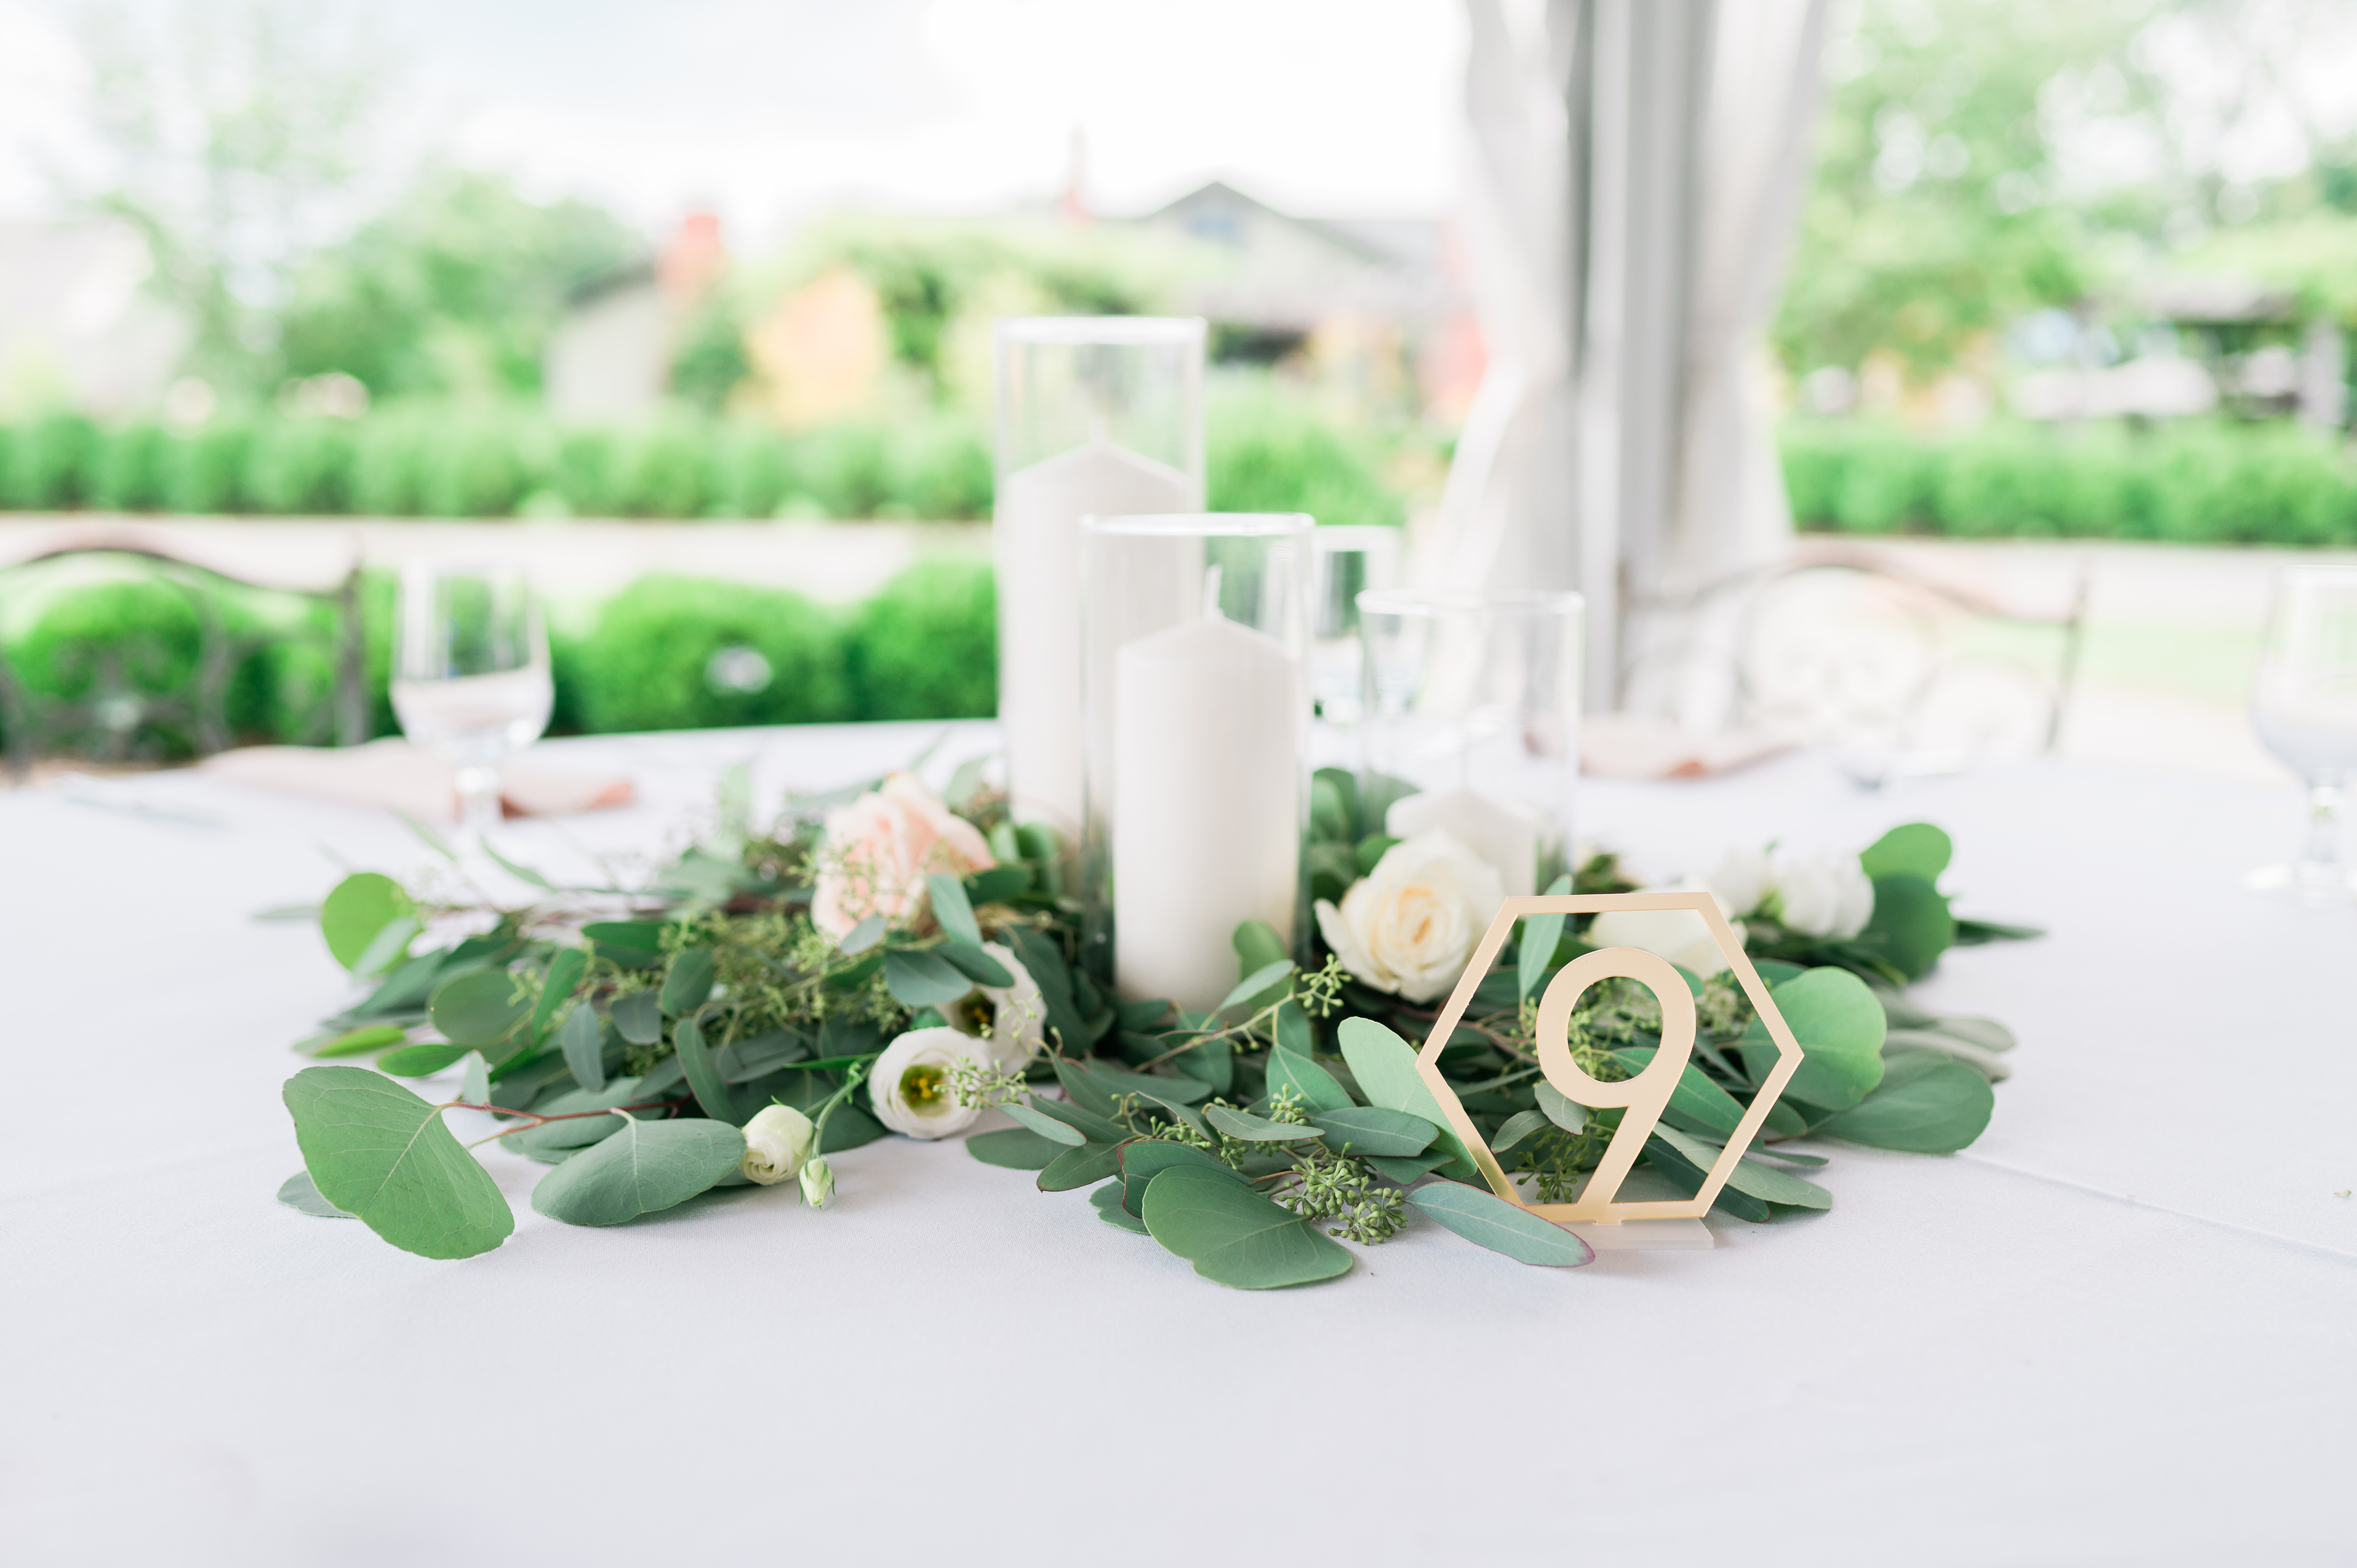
(1472, 722)
(1198, 703)
(1097, 416)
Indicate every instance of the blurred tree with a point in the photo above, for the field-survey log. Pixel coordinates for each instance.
(236, 140)
(453, 288)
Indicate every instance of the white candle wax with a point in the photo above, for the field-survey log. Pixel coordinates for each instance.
(1500, 831)
(1206, 820)
(1038, 531)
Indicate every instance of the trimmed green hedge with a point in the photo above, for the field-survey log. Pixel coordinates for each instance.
(2194, 483)
(665, 653)
(1267, 453)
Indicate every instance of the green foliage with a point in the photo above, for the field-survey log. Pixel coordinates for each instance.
(44, 463)
(649, 664)
(926, 645)
(452, 289)
(2192, 482)
(639, 1168)
(1267, 452)
(377, 1152)
(1481, 1216)
(1233, 1235)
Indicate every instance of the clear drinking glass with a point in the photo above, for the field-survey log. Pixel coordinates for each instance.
(1472, 722)
(470, 679)
(2303, 706)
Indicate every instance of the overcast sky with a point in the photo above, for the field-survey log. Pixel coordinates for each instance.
(772, 109)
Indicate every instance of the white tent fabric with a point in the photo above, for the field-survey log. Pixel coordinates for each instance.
(1638, 167)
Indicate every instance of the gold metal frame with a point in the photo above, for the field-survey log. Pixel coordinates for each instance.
(1644, 1096)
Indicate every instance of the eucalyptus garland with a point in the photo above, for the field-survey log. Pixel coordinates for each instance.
(883, 961)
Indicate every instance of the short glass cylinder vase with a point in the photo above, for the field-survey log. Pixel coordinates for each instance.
(1097, 416)
(1195, 673)
(1472, 724)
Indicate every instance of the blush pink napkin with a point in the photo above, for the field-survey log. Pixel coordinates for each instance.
(395, 774)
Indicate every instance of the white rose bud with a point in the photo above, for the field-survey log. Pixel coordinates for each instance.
(911, 1085)
(1408, 926)
(1822, 894)
(1742, 880)
(1681, 936)
(777, 1141)
(818, 1183)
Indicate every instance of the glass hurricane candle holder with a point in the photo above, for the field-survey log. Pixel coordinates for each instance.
(1196, 631)
(1472, 722)
(1345, 562)
(1097, 415)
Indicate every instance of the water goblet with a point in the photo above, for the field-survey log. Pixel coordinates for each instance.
(2304, 708)
(470, 677)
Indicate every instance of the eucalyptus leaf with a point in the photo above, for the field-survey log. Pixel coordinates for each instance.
(1695, 1093)
(1768, 1185)
(1911, 926)
(360, 906)
(521, 873)
(1255, 1129)
(420, 1061)
(551, 1142)
(918, 978)
(1483, 1218)
(1083, 1088)
(1014, 1148)
(1085, 1167)
(388, 947)
(1107, 1199)
(1319, 1092)
(1385, 1068)
(582, 1039)
(1408, 1171)
(1048, 1127)
(687, 984)
(380, 1154)
(478, 1008)
(353, 1042)
(1183, 1091)
(638, 1017)
(1254, 987)
(951, 912)
(996, 885)
(475, 1079)
(863, 936)
(1233, 1235)
(744, 1060)
(1925, 1106)
(639, 1168)
(1519, 1126)
(297, 1192)
(1099, 1129)
(704, 1078)
(975, 964)
(1142, 1159)
(1374, 1130)
(1541, 936)
(1559, 1108)
(1918, 849)
(1670, 1162)
(1258, 947)
(1840, 1026)
(632, 945)
(566, 968)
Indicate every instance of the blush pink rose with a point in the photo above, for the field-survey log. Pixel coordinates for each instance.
(876, 852)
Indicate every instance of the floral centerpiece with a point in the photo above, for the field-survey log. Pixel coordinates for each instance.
(899, 962)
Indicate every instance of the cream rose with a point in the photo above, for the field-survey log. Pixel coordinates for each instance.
(1822, 894)
(777, 1141)
(911, 1085)
(876, 852)
(1408, 926)
(1009, 1019)
(1742, 880)
(1681, 936)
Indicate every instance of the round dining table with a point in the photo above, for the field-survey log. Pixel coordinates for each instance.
(2119, 1329)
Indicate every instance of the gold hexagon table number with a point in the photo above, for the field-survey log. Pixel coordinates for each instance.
(1597, 1215)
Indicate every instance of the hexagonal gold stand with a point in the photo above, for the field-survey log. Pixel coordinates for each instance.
(1595, 1214)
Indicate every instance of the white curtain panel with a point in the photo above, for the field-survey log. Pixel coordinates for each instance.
(1635, 176)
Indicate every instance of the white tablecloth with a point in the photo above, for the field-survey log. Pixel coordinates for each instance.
(2118, 1330)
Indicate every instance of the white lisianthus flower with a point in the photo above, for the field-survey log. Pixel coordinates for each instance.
(777, 1142)
(1010, 1019)
(1681, 936)
(1408, 926)
(818, 1183)
(1822, 894)
(1742, 880)
(911, 1085)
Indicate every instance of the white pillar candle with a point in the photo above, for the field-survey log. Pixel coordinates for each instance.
(1038, 514)
(1500, 831)
(1206, 820)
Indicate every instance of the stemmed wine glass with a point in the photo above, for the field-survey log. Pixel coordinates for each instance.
(2303, 706)
(470, 679)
